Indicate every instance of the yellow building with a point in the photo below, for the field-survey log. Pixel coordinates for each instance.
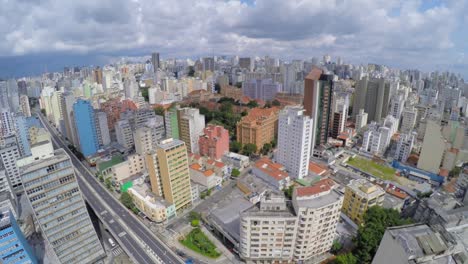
(169, 173)
(260, 126)
(359, 196)
(153, 207)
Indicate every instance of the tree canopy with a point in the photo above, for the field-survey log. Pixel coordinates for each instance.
(249, 149)
(235, 146)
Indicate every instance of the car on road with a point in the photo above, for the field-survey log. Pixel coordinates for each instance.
(111, 242)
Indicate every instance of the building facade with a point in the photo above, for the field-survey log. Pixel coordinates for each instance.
(191, 125)
(360, 195)
(85, 124)
(258, 127)
(214, 142)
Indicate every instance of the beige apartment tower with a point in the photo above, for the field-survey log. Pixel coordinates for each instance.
(169, 173)
(360, 195)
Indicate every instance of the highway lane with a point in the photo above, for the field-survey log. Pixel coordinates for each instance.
(133, 225)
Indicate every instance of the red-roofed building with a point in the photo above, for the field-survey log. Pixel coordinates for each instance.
(316, 169)
(273, 173)
(204, 176)
(214, 143)
(319, 188)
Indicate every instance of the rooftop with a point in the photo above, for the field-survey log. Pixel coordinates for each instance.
(324, 185)
(274, 170)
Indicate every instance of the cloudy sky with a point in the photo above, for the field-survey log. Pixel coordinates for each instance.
(48, 34)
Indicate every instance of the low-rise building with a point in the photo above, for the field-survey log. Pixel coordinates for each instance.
(205, 177)
(273, 173)
(155, 208)
(236, 160)
(214, 142)
(360, 195)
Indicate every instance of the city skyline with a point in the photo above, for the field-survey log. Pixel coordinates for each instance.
(428, 35)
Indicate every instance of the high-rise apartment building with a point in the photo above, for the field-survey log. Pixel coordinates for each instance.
(263, 89)
(376, 97)
(97, 75)
(294, 141)
(52, 189)
(405, 146)
(360, 195)
(246, 63)
(408, 120)
(171, 123)
(85, 125)
(14, 248)
(191, 124)
(258, 127)
(361, 119)
(5, 184)
(155, 61)
(22, 135)
(340, 115)
(208, 64)
(318, 97)
(144, 139)
(214, 142)
(169, 173)
(9, 154)
(7, 123)
(68, 99)
(433, 148)
(124, 133)
(24, 105)
(102, 129)
(397, 105)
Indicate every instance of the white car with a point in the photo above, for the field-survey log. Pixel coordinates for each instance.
(111, 242)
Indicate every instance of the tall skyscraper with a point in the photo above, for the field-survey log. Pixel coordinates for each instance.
(102, 129)
(374, 97)
(169, 173)
(9, 153)
(191, 124)
(97, 75)
(246, 63)
(7, 123)
(52, 189)
(263, 89)
(24, 105)
(171, 123)
(22, 135)
(13, 96)
(208, 64)
(86, 127)
(318, 95)
(14, 248)
(155, 61)
(433, 148)
(68, 99)
(294, 141)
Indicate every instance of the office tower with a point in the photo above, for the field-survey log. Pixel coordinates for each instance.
(171, 123)
(24, 105)
(318, 209)
(359, 97)
(377, 99)
(397, 105)
(102, 129)
(169, 173)
(433, 148)
(294, 141)
(7, 123)
(97, 75)
(246, 63)
(52, 189)
(408, 120)
(208, 64)
(124, 133)
(258, 127)
(214, 142)
(361, 119)
(155, 61)
(85, 125)
(13, 96)
(22, 135)
(68, 99)
(318, 96)
(191, 124)
(272, 213)
(263, 89)
(14, 248)
(360, 195)
(404, 146)
(9, 153)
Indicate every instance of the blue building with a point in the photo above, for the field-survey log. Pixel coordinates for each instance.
(85, 127)
(14, 249)
(23, 135)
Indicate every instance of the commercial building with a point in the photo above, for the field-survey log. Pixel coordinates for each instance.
(360, 195)
(433, 148)
(258, 127)
(214, 142)
(169, 173)
(191, 125)
(373, 95)
(318, 97)
(85, 124)
(155, 208)
(13, 245)
(52, 189)
(155, 61)
(294, 141)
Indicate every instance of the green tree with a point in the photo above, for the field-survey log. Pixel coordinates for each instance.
(195, 222)
(235, 172)
(266, 148)
(43, 111)
(276, 103)
(159, 110)
(226, 107)
(249, 149)
(127, 200)
(235, 146)
(108, 183)
(194, 216)
(376, 221)
(191, 71)
(273, 143)
(244, 113)
(144, 93)
(252, 104)
(347, 258)
(238, 84)
(289, 191)
(336, 246)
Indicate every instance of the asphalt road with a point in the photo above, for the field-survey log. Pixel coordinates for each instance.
(120, 214)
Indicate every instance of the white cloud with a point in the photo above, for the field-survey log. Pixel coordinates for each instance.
(379, 30)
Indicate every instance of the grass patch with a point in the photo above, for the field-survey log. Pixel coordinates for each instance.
(371, 167)
(198, 242)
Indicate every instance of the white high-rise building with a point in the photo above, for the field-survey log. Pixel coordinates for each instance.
(52, 189)
(372, 139)
(404, 146)
(294, 141)
(408, 120)
(191, 125)
(361, 119)
(102, 128)
(7, 123)
(124, 133)
(9, 153)
(397, 106)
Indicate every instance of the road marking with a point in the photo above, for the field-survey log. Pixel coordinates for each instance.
(111, 221)
(104, 212)
(122, 234)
